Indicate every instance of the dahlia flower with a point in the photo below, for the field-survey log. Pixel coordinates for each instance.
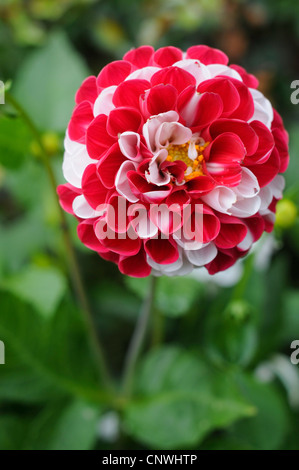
(164, 140)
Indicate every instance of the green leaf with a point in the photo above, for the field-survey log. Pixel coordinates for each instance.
(47, 82)
(76, 428)
(290, 317)
(266, 430)
(18, 385)
(14, 142)
(174, 295)
(41, 287)
(54, 355)
(12, 431)
(181, 399)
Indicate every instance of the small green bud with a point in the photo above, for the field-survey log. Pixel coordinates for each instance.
(286, 213)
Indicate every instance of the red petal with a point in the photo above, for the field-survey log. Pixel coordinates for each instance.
(245, 109)
(178, 196)
(109, 165)
(67, 193)
(209, 108)
(250, 80)
(200, 185)
(114, 73)
(211, 225)
(161, 98)
(110, 256)
(240, 128)
(117, 213)
(135, 266)
(88, 90)
(232, 231)
(92, 188)
(175, 76)
(225, 148)
(140, 57)
(203, 225)
(166, 56)
(224, 156)
(207, 55)
(282, 144)
(256, 225)
(123, 119)
(123, 244)
(145, 191)
(97, 138)
(265, 144)
(224, 260)
(128, 93)
(176, 168)
(266, 172)
(80, 120)
(162, 251)
(87, 236)
(226, 90)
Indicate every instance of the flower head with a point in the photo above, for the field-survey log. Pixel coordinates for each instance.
(173, 161)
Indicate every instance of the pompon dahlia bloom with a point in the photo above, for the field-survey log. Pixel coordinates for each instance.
(177, 130)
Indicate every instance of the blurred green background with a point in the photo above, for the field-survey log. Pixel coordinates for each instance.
(216, 370)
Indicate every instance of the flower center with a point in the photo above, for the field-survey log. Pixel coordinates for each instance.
(191, 154)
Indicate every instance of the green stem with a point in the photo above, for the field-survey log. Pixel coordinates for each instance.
(239, 289)
(71, 256)
(138, 339)
(158, 328)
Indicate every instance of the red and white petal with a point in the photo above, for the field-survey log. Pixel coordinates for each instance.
(145, 73)
(249, 186)
(220, 198)
(174, 76)
(129, 144)
(221, 69)
(152, 125)
(141, 222)
(154, 174)
(104, 102)
(203, 255)
(122, 184)
(83, 210)
(197, 69)
(67, 193)
(171, 133)
(200, 109)
(75, 160)
(263, 110)
(245, 207)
